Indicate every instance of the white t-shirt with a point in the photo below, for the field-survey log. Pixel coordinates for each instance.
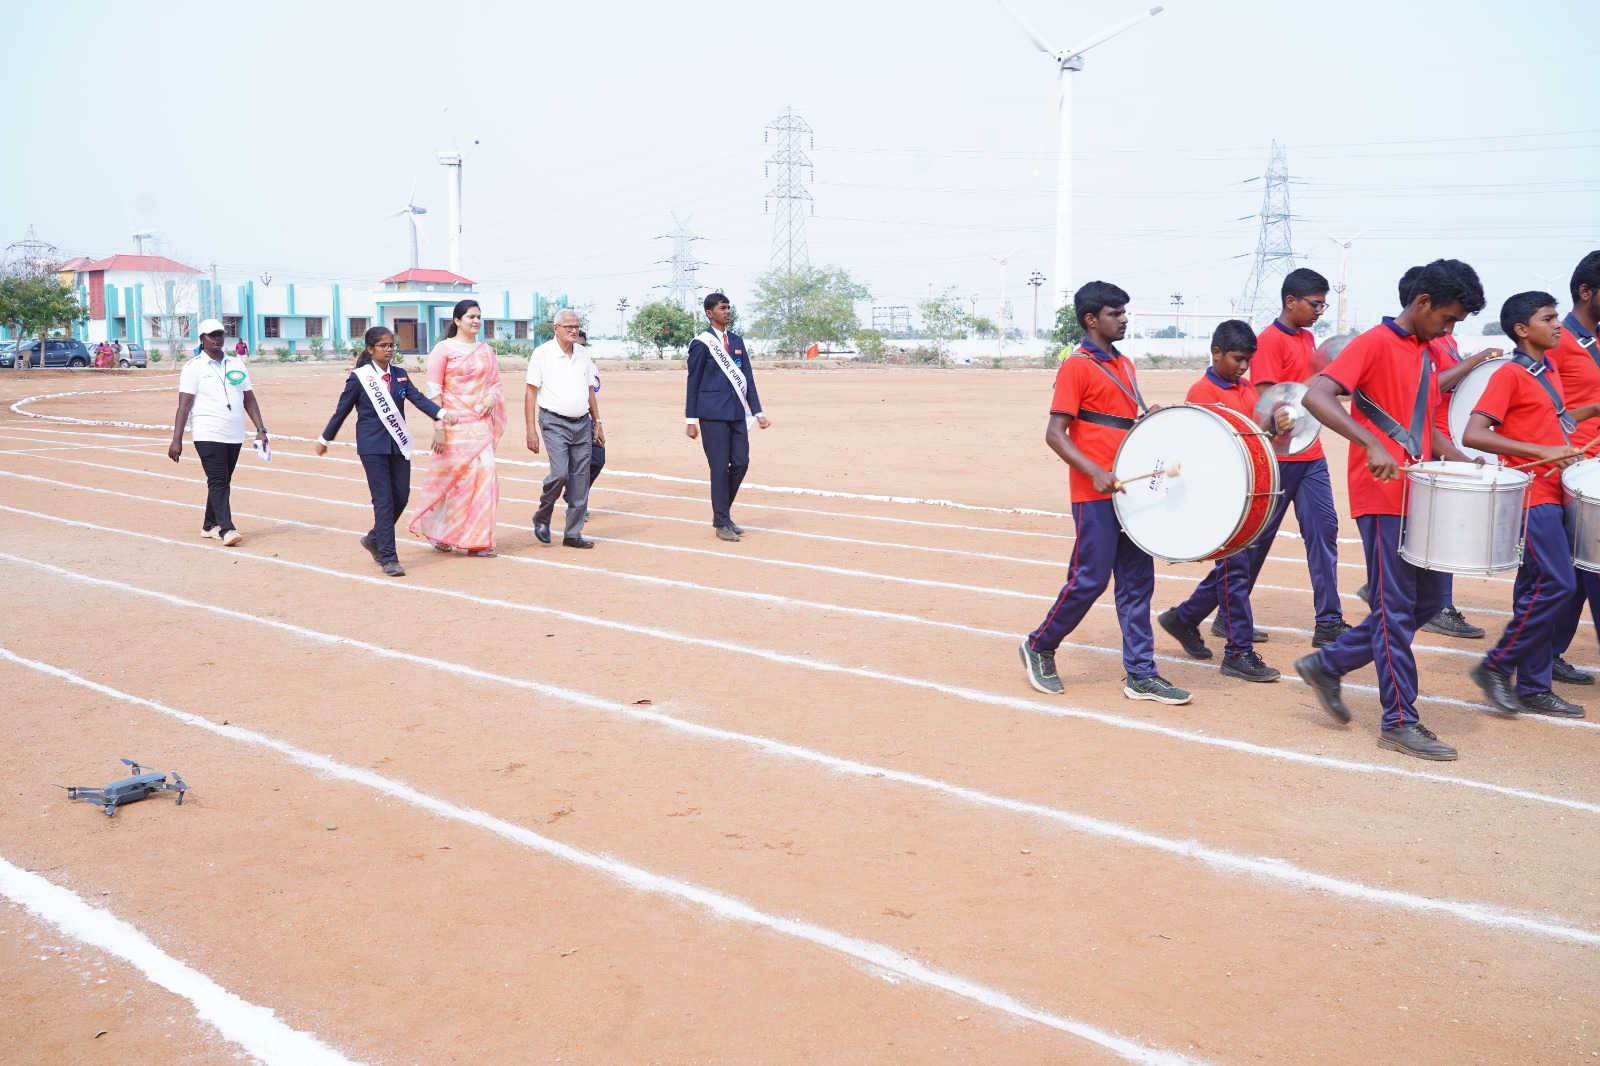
(563, 381)
(218, 389)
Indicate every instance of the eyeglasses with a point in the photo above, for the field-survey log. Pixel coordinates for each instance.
(565, 326)
(390, 344)
(1316, 305)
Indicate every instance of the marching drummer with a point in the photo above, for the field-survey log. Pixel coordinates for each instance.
(1096, 402)
(1391, 422)
(1523, 415)
(1577, 360)
(1226, 589)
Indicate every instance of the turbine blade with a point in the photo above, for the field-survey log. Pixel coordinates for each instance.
(1033, 35)
(411, 197)
(1122, 27)
(424, 234)
(392, 214)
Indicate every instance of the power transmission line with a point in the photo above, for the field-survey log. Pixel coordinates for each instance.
(789, 250)
(1275, 244)
(681, 289)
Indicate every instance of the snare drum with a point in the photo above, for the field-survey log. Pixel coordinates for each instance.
(1464, 519)
(1221, 499)
(1582, 482)
(1466, 397)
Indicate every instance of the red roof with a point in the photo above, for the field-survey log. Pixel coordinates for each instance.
(75, 264)
(144, 264)
(436, 277)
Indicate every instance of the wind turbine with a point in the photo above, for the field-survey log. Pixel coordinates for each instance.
(411, 211)
(1344, 274)
(1068, 62)
(139, 235)
(1001, 322)
(453, 159)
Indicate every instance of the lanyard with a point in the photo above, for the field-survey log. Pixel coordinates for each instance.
(222, 379)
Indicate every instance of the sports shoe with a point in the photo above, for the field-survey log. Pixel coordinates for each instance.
(1449, 623)
(1257, 636)
(1328, 634)
(1416, 740)
(1188, 636)
(1248, 667)
(372, 548)
(1551, 704)
(1041, 670)
(1155, 688)
(726, 533)
(1566, 672)
(211, 534)
(1323, 685)
(1361, 594)
(736, 527)
(1497, 689)
(232, 537)
(394, 569)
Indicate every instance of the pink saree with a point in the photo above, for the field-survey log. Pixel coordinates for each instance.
(462, 492)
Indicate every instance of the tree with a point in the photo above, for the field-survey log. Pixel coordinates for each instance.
(174, 296)
(812, 304)
(1069, 331)
(545, 329)
(981, 326)
(942, 322)
(661, 325)
(1492, 329)
(34, 305)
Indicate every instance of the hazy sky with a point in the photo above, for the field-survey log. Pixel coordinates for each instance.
(267, 137)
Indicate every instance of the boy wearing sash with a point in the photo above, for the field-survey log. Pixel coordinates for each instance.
(1577, 360)
(377, 391)
(1392, 422)
(721, 407)
(1523, 415)
(1096, 402)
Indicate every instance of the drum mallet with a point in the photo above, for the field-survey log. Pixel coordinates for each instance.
(1172, 468)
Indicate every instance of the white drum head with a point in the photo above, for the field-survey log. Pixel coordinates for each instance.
(1464, 475)
(1187, 517)
(1466, 397)
(1582, 480)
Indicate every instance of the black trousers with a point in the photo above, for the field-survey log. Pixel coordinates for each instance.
(389, 479)
(727, 447)
(218, 460)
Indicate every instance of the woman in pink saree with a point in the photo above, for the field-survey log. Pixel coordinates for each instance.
(459, 498)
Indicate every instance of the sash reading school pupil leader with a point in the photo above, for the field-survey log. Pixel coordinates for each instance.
(722, 404)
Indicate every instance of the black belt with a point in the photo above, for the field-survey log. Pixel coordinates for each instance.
(1097, 418)
(564, 418)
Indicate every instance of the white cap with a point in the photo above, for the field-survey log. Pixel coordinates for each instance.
(210, 325)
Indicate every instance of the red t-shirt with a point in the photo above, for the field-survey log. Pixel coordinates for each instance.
(1081, 385)
(1240, 396)
(1517, 404)
(1285, 355)
(1385, 363)
(1580, 377)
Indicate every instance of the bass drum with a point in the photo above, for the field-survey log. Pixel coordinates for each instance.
(1221, 498)
(1466, 397)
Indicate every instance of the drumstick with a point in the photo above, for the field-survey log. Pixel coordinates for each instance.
(1171, 468)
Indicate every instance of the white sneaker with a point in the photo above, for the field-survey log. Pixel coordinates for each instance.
(211, 534)
(232, 537)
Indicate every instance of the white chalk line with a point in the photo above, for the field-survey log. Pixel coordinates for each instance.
(254, 1028)
(1261, 867)
(639, 879)
(970, 695)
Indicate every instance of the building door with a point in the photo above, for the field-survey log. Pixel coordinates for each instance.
(405, 334)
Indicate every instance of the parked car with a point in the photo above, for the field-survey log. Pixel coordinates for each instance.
(133, 355)
(57, 353)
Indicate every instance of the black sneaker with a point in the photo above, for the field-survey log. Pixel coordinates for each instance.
(394, 569)
(1497, 689)
(1257, 636)
(1188, 636)
(1551, 704)
(1155, 688)
(1565, 672)
(1328, 634)
(1449, 623)
(1324, 685)
(1417, 740)
(1361, 594)
(1041, 670)
(372, 548)
(1248, 667)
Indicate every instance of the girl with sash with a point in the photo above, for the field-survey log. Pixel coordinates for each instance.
(462, 492)
(377, 391)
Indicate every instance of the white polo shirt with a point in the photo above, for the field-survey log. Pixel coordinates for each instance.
(562, 380)
(218, 389)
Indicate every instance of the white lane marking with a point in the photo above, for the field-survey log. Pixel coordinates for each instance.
(642, 880)
(1230, 862)
(254, 1028)
(970, 695)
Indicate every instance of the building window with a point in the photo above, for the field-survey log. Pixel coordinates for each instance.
(270, 327)
(359, 327)
(230, 325)
(313, 327)
(521, 329)
(179, 325)
(488, 329)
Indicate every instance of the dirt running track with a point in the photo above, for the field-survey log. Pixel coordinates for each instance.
(676, 801)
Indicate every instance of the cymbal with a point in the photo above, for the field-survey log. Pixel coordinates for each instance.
(1290, 396)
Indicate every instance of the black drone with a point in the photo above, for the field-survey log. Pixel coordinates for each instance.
(129, 789)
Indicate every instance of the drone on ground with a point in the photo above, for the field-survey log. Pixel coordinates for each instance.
(129, 789)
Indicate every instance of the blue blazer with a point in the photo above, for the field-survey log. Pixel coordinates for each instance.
(711, 394)
(371, 437)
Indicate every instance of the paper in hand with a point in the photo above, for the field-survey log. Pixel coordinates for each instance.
(263, 450)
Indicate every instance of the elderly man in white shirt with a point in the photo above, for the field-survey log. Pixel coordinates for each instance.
(561, 404)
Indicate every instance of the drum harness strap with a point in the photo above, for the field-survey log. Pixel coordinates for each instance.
(1099, 418)
(1587, 345)
(1537, 371)
(1409, 439)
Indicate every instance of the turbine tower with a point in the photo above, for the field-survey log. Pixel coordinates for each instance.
(1344, 276)
(1275, 245)
(452, 159)
(789, 250)
(1068, 61)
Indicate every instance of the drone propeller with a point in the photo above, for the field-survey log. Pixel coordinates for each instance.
(136, 767)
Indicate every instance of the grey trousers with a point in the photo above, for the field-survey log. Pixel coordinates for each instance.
(566, 444)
